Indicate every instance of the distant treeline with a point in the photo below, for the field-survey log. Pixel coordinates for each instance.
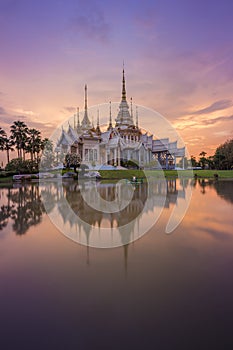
(222, 158)
(23, 140)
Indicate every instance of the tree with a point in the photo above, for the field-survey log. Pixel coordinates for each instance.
(2, 138)
(72, 159)
(194, 162)
(19, 132)
(223, 157)
(22, 166)
(5, 144)
(34, 143)
(48, 157)
(183, 163)
(202, 159)
(8, 143)
(210, 162)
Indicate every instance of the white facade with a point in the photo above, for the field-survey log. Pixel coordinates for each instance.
(119, 144)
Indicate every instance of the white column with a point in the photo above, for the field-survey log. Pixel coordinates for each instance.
(115, 156)
(119, 156)
(106, 156)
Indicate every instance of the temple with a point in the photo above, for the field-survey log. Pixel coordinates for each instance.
(120, 144)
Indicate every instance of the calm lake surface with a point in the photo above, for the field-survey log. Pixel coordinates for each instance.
(163, 291)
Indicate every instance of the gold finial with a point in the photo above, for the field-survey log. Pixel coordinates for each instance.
(78, 121)
(98, 131)
(123, 85)
(98, 117)
(110, 116)
(131, 107)
(85, 97)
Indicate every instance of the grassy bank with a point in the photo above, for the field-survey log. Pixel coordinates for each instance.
(222, 174)
(128, 174)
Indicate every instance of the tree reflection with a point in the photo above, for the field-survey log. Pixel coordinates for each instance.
(224, 189)
(6, 210)
(5, 213)
(24, 208)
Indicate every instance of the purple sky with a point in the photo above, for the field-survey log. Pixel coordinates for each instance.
(178, 60)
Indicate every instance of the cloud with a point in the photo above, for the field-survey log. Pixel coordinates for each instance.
(2, 111)
(216, 120)
(69, 109)
(216, 234)
(46, 128)
(25, 112)
(224, 133)
(200, 123)
(92, 26)
(216, 106)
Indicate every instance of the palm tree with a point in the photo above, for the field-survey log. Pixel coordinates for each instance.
(202, 159)
(47, 158)
(19, 132)
(2, 137)
(8, 143)
(33, 142)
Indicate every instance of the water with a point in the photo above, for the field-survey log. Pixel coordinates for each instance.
(161, 291)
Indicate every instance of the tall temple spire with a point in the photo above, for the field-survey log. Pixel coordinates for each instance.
(78, 121)
(98, 131)
(124, 119)
(123, 85)
(98, 117)
(137, 116)
(86, 124)
(110, 116)
(131, 107)
(85, 97)
(78, 128)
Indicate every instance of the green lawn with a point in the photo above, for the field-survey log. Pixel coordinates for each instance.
(4, 180)
(223, 174)
(128, 174)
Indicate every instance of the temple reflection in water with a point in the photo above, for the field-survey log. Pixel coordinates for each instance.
(90, 226)
(23, 205)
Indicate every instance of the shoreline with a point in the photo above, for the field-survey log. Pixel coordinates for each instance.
(156, 174)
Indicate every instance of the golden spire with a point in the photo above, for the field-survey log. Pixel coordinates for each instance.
(123, 85)
(86, 124)
(98, 117)
(110, 116)
(85, 97)
(78, 121)
(98, 131)
(131, 107)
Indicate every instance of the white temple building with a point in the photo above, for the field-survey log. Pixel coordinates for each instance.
(120, 143)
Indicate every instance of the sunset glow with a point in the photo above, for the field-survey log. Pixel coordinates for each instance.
(178, 60)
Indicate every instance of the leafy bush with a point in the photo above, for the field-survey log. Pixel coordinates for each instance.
(22, 166)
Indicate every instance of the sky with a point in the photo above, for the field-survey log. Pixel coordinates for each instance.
(178, 58)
